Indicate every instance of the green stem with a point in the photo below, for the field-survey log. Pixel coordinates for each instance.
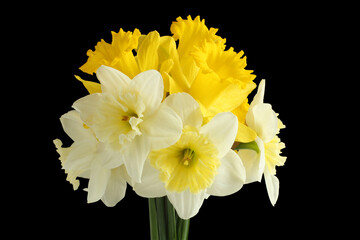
(171, 217)
(154, 234)
(161, 218)
(183, 229)
(165, 224)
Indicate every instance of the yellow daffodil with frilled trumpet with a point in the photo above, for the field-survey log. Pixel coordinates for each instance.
(169, 116)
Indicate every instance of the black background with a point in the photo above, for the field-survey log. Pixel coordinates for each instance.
(278, 46)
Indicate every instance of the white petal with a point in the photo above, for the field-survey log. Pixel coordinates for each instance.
(263, 120)
(259, 97)
(112, 81)
(272, 186)
(254, 163)
(230, 177)
(150, 86)
(71, 175)
(73, 126)
(110, 159)
(151, 186)
(163, 128)
(101, 112)
(114, 160)
(115, 190)
(134, 156)
(186, 107)
(260, 117)
(88, 106)
(80, 156)
(125, 175)
(99, 178)
(63, 152)
(186, 203)
(222, 130)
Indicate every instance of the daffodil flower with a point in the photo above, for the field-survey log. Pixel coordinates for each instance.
(201, 62)
(199, 164)
(152, 52)
(264, 121)
(129, 117)
(85, 158)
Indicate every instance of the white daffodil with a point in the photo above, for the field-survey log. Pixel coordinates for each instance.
(264, 121)
(128, 115)
(85, 158)
(199, 164)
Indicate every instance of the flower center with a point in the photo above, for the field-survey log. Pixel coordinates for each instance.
(132, 108)
(188, 157)
(191, 163)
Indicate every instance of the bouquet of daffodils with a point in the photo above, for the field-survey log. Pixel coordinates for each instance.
(170, 117)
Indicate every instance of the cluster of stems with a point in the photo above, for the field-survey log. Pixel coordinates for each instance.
(165, 224)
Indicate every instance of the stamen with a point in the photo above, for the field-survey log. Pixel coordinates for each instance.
(188, 157)
(125, 118)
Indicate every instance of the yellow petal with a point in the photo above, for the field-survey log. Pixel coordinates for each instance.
(174, 86)
(189, 69)
(232, 96)
(245, 134)
(148, 52)
(164, 70)
(92, 87)
(206, 88)
(241, 111)
(167, 50)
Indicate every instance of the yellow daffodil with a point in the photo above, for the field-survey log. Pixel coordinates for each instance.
(215, 77)
(264, 121)
(200, 66)
(152, 53)
(199, 164)
(85, 158)
(128, 115)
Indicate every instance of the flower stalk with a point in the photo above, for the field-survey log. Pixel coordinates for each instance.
(165, 224)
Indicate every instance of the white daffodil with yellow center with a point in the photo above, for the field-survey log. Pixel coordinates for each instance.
(264, 121)
(85, 158)
(129, 117)
(199, 164)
